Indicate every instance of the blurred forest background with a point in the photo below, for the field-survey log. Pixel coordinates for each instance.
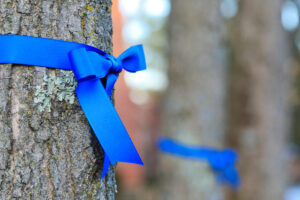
(221, 73)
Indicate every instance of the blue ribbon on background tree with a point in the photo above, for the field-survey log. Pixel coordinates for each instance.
(221, 162)
(89, 65)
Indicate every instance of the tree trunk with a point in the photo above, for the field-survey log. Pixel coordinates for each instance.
(47, 150)
(194, 102)
(259, 99)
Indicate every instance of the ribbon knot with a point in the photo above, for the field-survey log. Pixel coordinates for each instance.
(89, 65)
(116, 64)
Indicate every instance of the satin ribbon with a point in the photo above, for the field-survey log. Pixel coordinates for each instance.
(221, 162)
(89, 65)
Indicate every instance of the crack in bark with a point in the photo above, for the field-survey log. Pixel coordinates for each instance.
(8, 112)
(70, 166)
(14, 105)
(48, 173)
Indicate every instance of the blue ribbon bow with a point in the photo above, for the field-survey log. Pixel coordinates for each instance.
(89, 65)
(221, 162)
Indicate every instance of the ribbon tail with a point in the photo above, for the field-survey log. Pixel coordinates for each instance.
(106, 123)
(232, 177)
(105, 166)
(110, 82)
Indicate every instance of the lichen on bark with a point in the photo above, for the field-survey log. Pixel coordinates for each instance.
(47, 148)
(62, 88)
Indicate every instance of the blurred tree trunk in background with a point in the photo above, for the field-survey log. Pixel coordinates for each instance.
(259, 123)
(193, 109)
(50, 154)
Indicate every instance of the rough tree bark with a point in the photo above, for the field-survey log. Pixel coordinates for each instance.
(259, 99)
(47, 150)
(193, 111)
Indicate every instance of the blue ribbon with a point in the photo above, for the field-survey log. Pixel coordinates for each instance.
(89, 65)
(221, 162)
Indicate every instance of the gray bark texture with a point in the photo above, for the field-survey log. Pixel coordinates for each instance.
(259, 122)
(193, 110)
(47, 149)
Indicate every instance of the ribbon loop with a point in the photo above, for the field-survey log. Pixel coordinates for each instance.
(78, 58)
(133, 59)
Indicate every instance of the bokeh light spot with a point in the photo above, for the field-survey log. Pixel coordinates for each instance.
(136, 30)
(157, 8)
(290, 16)
(229, 8)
